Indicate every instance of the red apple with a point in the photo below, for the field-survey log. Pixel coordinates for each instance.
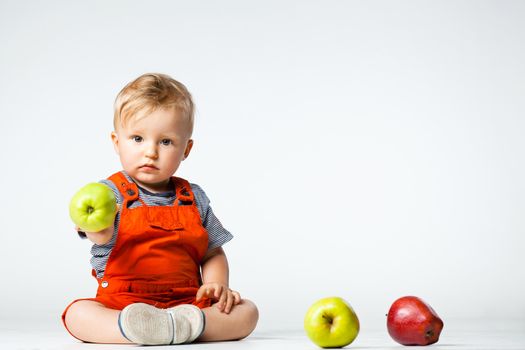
(411, 321)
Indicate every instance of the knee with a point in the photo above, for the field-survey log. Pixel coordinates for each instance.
(251, 317)
(74, 318)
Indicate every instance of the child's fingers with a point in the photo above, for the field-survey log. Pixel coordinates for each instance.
(218, 291)
(200, 293)
(222, 300)
(229, 302)
(212, 290)
(204, 291)
(236, 297)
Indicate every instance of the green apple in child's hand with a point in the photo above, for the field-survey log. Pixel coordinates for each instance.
(93, 207)
(331, 323)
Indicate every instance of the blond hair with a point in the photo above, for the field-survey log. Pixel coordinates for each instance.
(148, 93)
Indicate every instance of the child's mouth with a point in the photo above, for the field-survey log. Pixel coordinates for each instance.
(148, 167)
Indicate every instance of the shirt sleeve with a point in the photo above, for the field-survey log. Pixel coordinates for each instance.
(217, 234)
(115, 190)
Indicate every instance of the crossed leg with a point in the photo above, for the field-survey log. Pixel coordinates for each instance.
(91, 321)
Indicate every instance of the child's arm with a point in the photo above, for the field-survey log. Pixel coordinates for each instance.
(215, 275)
(215, 267)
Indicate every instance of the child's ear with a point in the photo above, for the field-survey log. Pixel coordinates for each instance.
(114, 139)
(187, 151)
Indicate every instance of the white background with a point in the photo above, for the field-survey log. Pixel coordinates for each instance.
(365, 149)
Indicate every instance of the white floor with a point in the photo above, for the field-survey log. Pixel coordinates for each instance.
(54, 337)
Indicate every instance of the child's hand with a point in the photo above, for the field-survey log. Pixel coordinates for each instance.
(226, 298)
(101, 237)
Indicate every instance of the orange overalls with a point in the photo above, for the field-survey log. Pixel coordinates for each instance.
(157, 255)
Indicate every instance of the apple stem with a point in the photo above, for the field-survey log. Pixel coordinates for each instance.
(90, 210)
(328, 318)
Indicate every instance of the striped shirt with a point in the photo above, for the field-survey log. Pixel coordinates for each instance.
(217, 234)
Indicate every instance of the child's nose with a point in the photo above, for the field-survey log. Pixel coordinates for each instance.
(151, 151)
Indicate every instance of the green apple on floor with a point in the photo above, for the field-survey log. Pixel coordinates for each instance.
(331, 323)
(93, 207)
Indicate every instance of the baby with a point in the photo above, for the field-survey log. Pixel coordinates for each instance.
(162, 273)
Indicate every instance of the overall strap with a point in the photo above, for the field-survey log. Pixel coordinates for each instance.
(128, 189)
(183, 191)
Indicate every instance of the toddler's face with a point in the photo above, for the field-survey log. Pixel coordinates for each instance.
(152, 148)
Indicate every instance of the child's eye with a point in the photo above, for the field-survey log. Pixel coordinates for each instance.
(137, 138)
(166, 142)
